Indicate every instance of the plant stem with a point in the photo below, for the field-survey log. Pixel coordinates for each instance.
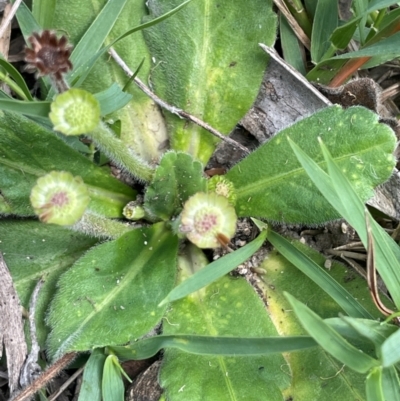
(101, 227)
(119, 153)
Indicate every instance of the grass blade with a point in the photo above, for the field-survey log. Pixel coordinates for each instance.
(214, 270)
(330, 340)
(340, 295)
(205, 345)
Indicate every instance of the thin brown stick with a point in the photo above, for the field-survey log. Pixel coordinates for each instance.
(66, 384)
(48, 375)
(371, 271)
(172, 109)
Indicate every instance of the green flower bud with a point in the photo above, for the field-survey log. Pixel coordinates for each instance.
(208, 220)
(59, 198)
(133, 211)
(75, 112)
(222, 186)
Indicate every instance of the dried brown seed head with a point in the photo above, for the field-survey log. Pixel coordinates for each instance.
(49, 54)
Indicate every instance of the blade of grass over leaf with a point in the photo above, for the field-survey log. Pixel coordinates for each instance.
(391, 384)
(215, 270)
(204, 345)
(330, 340)
(340, 295)
(374, 385)
(26, 21)
(97, 33)
(387, 252)
(390, 350)
(78, 75)
(43, 11)
(17, 77)
(325, 22)
(341, 195)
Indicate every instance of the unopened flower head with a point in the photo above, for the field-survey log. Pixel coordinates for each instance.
(48, 54)
(75, 112)
(59, 198)
(206, 218)
(222, 186)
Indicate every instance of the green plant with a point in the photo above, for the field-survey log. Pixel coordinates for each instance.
(105, 294)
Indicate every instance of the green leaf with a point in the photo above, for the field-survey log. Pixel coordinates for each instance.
(317, 375)
(142, 125)
(112, 99)
(112, 384)
(176, 179)
(390, 350)
(209, 65)
(110, 296)
(30, 151)
(17, 77)
(305, 264)
(33, 250)
(280, 190)
(391, 384)
(387, 251)
(203, 345)
(92, 377)
(325, 22)
(330, 340)
(374, 385)
(227, 307)
(43, 11)
(215, 270)
(291, 46)
(26, 20)
(376, 332)
(386, 47)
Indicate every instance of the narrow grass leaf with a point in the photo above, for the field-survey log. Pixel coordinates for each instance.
(340, 295)
(387, 252)
(340, 194)
(391, 384)
(330, 340)
(291, 46)
(112, 384)
(390, 350)
(17, 77)
(97, 33)
(43, 11)
(78, 75)
(92, 377)
(205, 345)
(26, 20)
(112, 99)
(215, 270)
(28, 108)
(374, 331)
(325, 22)
(374, 385)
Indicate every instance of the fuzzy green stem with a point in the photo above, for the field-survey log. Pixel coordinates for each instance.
(119, 153)
(101, 227)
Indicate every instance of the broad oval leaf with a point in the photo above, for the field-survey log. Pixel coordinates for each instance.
(271, 183)
(227, 307)
(208, 64)
(110, 295)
